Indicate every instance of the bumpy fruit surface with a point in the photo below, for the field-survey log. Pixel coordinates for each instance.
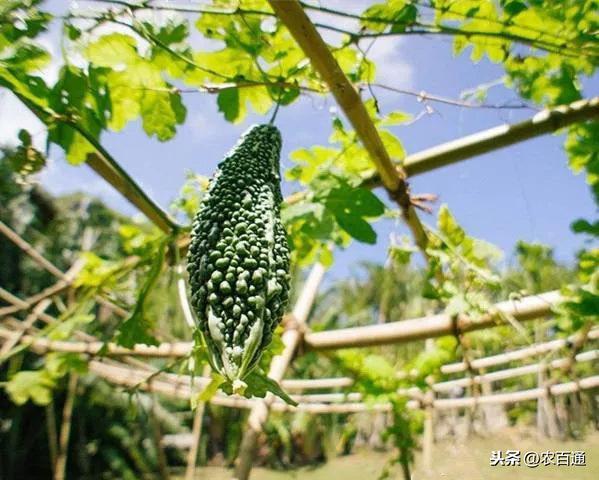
(238, 259)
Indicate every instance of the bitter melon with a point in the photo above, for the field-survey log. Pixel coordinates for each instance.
(238, 259)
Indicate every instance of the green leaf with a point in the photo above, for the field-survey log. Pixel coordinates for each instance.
(393, 146)
(356, 201)
(66, 327)
(171, 33)
(310, 163)
(350, 206)
(584, 226)
(449, 226)
(395, 118)
(160, 113)
(34, 385)
(135, 328)
(113, 50)
(258, 385)
(257, 97)
(357, 228)
(228, 103)
(514, 7)
(216, 380)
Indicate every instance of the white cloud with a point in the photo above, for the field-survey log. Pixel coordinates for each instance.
(387, 54)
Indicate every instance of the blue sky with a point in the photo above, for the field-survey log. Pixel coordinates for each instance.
(522, 192)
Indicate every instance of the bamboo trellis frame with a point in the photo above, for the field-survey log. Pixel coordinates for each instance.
(320, 403)
(449, 385)
(390, 175)
(129, 377)
(180, 349)
(524, 309)
(519, 354)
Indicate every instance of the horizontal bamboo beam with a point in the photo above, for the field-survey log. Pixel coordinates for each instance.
(316, 383)
(514, 372)
(144, 380)
(43, 345)
(527, 308)
(129, 378)
(519, 354)
(403, 331)
(23, 326)
(485, 141)
(515, 397)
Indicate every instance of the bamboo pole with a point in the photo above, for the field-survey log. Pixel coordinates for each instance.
(514, 397)
(128, 377)
(394, 332)
(64, 282)
(43, 345)
(514, 372)
(29, 250)
(163, 473)
(439, 325)
(26, 324)
(104, 165)
(485, 141)
(546, 403)
(291, 339)
(428, 437)
(16, 301)
(119, 374)
(392, 176)
(65, 428)
(519, 354)
(196, 434)
(316, 383)
(48, 266)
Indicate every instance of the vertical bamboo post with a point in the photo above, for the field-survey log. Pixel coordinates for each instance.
(550, 417)
(541, 413)
(65, 429)
(196, 433)
(428, 437)
(157, 436)
(488, 411)
(291, 338)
